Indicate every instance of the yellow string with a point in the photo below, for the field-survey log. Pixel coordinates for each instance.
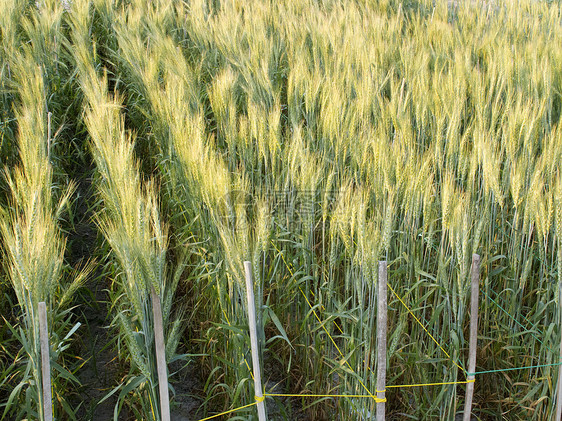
(249, 369)
(228, 412)
(283, 257)
(286, 395)
(424, 328)
(289, 395)
(430, 384)
(324, 309)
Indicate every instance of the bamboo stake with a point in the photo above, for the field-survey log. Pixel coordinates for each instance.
(254, 341)
(559, 392)
(160, 357)
(473, 344)
(381, 339)
(45, 363)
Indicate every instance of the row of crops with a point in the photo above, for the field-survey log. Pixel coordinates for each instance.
(313, 139)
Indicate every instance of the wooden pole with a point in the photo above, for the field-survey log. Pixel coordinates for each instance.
(473, 344)
(559, 392)
(160, 357)
(381, 339)
(45, 363)
(254, 341)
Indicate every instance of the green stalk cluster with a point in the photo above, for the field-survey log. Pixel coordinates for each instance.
(131, 224)
(315, 139)
(410, 133)
(30, 224)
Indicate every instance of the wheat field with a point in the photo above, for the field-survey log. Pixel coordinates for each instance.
(313, 138)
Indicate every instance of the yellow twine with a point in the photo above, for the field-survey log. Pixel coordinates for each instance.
(424, 328)
(288, 395)
(249, 369)
(430, 384)
(228, 412)
(324, 309)
(376, 398)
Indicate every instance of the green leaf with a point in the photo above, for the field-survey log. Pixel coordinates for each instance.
(279, 326)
